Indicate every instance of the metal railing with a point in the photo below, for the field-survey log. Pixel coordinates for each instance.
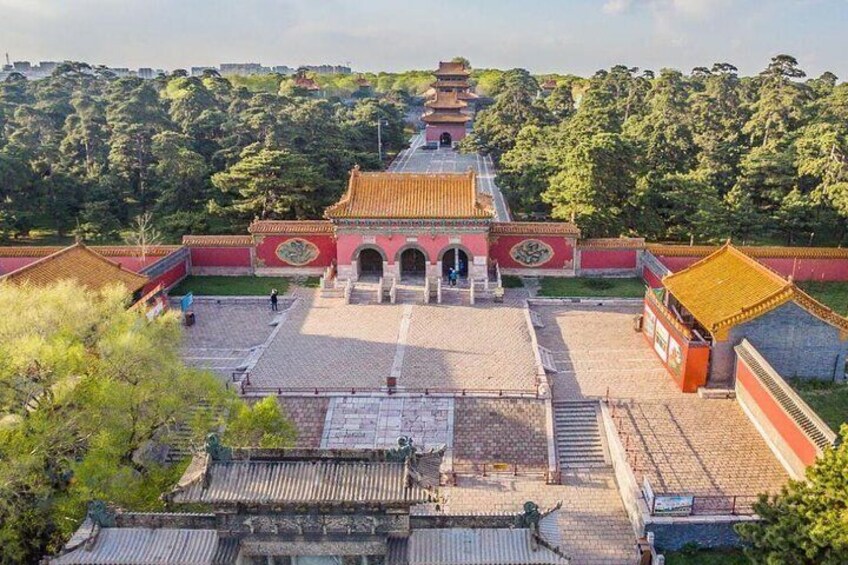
(247, 388)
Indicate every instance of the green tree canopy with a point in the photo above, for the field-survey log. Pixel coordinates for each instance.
(807, 523)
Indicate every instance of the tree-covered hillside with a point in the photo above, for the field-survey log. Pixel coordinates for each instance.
(703, 156)
(84, 153)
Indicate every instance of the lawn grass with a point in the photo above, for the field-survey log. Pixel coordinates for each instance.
(230, 286)
(706, 557)
(828, 400)
(831, 294)
(511, 281)
(592, 287)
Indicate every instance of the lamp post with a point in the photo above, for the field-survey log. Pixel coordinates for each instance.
(380, 123)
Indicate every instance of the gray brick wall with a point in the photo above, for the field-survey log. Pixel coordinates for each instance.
(793, 341)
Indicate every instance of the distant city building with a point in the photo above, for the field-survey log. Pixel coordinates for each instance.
(327, 69)
(198, 71)
(284, 70)
(243, 69)
(146, 73)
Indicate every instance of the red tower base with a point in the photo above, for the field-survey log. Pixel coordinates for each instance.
(444, 134)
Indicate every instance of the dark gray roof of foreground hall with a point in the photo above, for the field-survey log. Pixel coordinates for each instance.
(140, 546)
(309, 480)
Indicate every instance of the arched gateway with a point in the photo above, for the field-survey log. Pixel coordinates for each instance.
(413, 263)
(411, 219)
(370, 262)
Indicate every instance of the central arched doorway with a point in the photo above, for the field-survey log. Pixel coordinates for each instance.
(445, 140)
(370, 263)
(413, 263)
(455, 259)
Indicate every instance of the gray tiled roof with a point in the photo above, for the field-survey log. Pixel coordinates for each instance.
(299, 482)
(143, 546)
(485, 546)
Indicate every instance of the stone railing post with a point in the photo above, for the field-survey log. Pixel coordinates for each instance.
(380, 290)
(393, 292)
(348, 291)
(439, 290)
(471, 289)
(427, 290)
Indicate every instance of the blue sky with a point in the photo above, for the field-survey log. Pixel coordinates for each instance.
(576, 36)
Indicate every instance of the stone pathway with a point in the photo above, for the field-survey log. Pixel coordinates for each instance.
(374, 422)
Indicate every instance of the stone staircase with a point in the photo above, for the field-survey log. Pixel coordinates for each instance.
(409, 294)
(577, 430)
(364, 293)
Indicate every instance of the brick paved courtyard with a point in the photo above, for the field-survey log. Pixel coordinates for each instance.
(500, 430)
(327, 344)
(684, 444)
(226, 331)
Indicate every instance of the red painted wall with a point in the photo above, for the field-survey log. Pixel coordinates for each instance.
(170, 277)
(266, 250)
(607, 258)
(691, 372)
(501, 246)
(130, 263)
(475, 243)
(650, 278)
(794, 437)
(9, 264)
(677, 263)
(220, 256)
(820, 269)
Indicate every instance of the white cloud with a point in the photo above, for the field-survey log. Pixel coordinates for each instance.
(616, 6)
(688, 8)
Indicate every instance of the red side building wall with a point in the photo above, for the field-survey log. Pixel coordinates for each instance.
(266, 250)
(563, 248)
(785, 426)
(690, 372)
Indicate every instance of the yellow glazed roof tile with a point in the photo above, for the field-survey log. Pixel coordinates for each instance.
(78, 263)
(411, 196)
(728, 288)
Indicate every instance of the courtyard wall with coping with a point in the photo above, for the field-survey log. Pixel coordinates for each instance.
(525, 248)
(220, 255)
(826, 264)
(792, 430)
(168, 270)
(609, 257)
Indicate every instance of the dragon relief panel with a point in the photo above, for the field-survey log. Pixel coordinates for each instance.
(297, 252)
(531, 253)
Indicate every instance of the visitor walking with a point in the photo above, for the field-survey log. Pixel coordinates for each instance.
(452, 276)
(273, 300)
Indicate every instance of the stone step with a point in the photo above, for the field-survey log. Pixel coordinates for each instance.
(578, 435)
